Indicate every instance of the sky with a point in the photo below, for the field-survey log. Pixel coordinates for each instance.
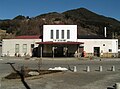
(9, 9)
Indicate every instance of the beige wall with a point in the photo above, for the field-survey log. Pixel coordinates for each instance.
(104, 55)
(103, 44)
(8, 46)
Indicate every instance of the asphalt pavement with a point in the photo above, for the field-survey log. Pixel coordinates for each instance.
(64, 80)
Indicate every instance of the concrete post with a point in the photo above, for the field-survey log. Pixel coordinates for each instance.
(88, 69)
(41, 52)
(113, 68)
(53, 48)
(0, 83)
(78, 52)
(117, 86)
(100, 68)
(75, 69)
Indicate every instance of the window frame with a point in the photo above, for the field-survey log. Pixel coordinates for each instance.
(57, 34)
(110, 50)
(17, 48)
(68, 34)
(24, 48)
(51, 34)
(62, 34)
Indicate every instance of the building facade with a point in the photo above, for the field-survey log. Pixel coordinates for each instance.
(100, 47)
(60, 33)
(20, 46)
(59, 41)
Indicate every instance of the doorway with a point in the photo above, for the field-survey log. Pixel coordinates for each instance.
(58, 52)
(97, 51)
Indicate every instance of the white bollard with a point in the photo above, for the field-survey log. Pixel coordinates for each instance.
(75, 69)
(0, 83)
(113, 68)
(100, 68)
(88, 69)
(117, 86)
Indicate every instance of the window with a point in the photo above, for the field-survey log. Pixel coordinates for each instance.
(17, 48)
(24, 48)
(103, 44)
(68, 34)
(62, 34)
(110, 50)
(32, 46)
(51, 34)
(57, 34)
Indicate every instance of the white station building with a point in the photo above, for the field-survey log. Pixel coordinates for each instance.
(59, 41)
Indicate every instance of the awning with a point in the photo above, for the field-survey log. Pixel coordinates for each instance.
(64, 43)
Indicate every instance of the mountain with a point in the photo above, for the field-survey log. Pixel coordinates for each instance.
(88, 22)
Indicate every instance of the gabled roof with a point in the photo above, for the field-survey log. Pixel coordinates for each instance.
(28, 37)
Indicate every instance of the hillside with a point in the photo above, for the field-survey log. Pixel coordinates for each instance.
(89, 23)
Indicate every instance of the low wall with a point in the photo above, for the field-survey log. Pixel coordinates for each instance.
(105, 55)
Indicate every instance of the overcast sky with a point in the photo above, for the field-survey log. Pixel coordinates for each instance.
(12, 8)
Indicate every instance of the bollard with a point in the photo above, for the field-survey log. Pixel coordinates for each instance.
(87, 69)
(0, 83)
(75, 69)
(117, 86)
(100, 68)
(113, 68)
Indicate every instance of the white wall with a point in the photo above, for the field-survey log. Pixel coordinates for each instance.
(8, 46)
(89, 44)
(48, 28)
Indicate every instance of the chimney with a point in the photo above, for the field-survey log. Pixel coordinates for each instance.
(105, 32)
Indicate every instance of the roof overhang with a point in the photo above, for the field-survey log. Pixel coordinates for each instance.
(28, 37)
(63, 43)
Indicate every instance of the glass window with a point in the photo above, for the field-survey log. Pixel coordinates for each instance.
(62, 34)
(103, 44)
(68, 34)
(16, 48)
(32, 45)
(24, 48)
(51, 34)
(110, 50)
(57, 34)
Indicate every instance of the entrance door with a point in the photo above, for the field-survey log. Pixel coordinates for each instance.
(81, 51)
(97, 51)
(59, 52)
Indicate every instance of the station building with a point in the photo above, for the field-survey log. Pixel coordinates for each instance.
(59, 41)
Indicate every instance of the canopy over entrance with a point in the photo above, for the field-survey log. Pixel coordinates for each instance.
(58, 49)
(64, 43)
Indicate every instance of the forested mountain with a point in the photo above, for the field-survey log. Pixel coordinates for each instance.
(88, 22)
